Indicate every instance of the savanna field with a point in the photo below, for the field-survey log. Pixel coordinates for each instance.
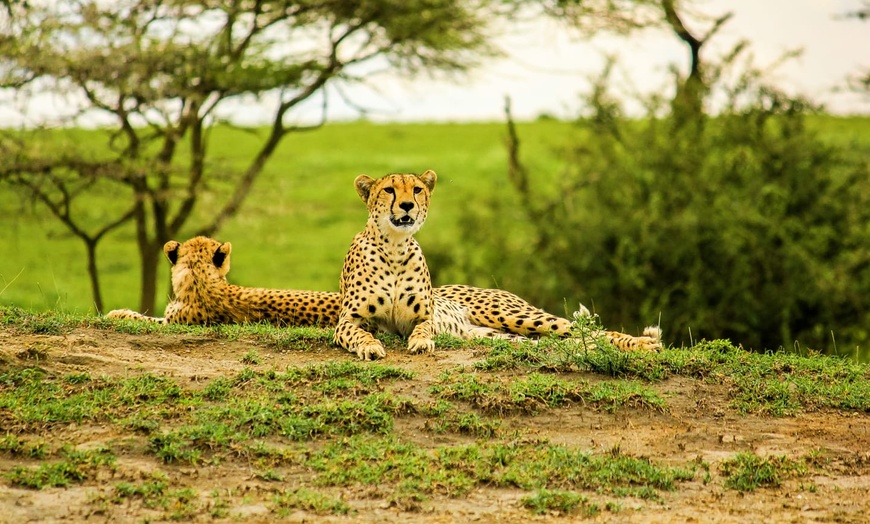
(122, 422)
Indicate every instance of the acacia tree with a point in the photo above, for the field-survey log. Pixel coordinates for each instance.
(162, 69)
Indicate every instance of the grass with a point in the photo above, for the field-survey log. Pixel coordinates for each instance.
(748, 471)
(313, 433)
(75, 467)
(309, 500)
(540, 391)
(301, 189)
(545, 501)
(774, 383)
(455, 470)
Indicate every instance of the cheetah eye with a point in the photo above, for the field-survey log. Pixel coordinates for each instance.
(417, 190)
(389, 190)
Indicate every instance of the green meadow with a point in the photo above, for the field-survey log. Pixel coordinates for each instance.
(298, 221)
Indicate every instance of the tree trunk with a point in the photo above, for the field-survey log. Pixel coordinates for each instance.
(148, 291)
(93, 274)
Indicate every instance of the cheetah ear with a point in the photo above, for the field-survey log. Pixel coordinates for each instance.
(429, 178)
(171, 250)
(363, 184)
(222, 254)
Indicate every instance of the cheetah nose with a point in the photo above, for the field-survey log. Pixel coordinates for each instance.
(406, 206)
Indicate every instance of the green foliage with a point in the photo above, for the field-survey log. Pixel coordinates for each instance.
(540, 391)
(32, 399)
(749, 225)
(456, 470)
(448, 418)
(546, 501)
(309, 500)
(178, 503)
(748, 471)
(251, 358)
(773, 383)
(77, 466)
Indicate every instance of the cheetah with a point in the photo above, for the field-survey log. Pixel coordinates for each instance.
(203, 296)
(385, 283)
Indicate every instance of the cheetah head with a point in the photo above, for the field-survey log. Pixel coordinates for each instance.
(397, 203)
(201, 260)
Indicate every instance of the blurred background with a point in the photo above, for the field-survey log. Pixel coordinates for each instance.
(702, 164)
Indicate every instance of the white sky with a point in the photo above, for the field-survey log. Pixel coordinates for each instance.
(546, 66)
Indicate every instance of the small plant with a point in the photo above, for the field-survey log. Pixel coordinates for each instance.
(270, 476)
(748, 471)
(466, 424)
(218, 389)
(150, 492)
(76, 467)
(181, 504)
(170, 448)
(546, 501)
(309, 500)
(251, 358)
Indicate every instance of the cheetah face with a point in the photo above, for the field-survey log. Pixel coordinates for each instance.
(200, 259)
(398, 204)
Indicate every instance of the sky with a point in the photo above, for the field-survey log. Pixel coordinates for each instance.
(546, 66)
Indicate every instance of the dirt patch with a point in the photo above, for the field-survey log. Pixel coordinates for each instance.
(698, 427)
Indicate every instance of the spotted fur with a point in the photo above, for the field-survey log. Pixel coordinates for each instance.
(385, 283)
(505, 312)
(203, 296)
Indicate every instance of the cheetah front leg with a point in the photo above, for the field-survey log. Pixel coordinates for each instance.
(129, 314)
(355, 339)
(421, 338)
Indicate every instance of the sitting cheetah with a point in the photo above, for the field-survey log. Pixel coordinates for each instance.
(203, 295)
(385, 283)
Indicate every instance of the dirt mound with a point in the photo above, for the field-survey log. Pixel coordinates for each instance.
(698, 427)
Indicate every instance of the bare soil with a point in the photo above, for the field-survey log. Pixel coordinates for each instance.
(698, 424)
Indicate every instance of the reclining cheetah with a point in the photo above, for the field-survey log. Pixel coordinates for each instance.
(385, 283)
(203, 295)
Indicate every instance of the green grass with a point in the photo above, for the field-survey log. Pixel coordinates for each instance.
(455, 470)
(313, 433)
(774, 383)
(538, 391)
(309, 500)
(303, 189)
(748, 471)
(546, 501)
(75, 467)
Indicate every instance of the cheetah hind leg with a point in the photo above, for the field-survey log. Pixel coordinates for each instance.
(455, 319)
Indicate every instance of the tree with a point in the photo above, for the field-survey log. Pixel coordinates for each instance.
(743, 224)
(161, 70)
(861, 81)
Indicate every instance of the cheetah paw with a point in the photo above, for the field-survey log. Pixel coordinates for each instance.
(122, 313)
(421, 345)
(372, 351)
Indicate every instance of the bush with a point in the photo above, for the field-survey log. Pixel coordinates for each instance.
(747, 225)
